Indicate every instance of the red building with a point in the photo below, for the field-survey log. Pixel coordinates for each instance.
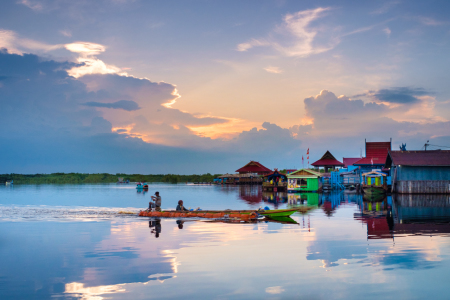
(254, 167)
(349, 161)
(376, 154)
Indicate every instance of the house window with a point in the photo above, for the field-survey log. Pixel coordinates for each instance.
(301, 182)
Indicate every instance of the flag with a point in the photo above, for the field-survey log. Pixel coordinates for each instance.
(371, 161)
(307, 152)
(302, 159)
(307, 157)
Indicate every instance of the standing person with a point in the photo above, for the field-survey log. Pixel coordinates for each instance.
(157, 199)
(180, 206)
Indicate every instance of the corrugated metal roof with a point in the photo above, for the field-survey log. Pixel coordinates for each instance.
(419, 158)
(348, 161)
(376, 152)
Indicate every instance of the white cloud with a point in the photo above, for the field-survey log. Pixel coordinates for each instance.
(90, 64)
(274, 70)
(66, 33)
(274, 290)
(430, 21)
(252, 43)
(10, 40)
(385, 8)
(34, 5)
(295, 36)
(387, 31)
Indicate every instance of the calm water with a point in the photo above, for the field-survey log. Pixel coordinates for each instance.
(68, 241)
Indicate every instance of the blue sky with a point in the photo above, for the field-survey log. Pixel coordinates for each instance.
(205, 86)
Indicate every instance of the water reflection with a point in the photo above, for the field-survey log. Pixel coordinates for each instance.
(349, 247)
(155, 226)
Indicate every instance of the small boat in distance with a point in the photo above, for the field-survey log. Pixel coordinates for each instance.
(141, 185)
(9, 182)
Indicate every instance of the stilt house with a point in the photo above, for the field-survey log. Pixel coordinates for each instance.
(327, 161)
(420, 172)
(304, 180)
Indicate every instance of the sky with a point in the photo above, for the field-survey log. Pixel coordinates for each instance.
(189, 87)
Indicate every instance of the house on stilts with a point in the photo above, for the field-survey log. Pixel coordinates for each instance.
(419, 172)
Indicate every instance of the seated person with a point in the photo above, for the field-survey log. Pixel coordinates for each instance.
(180, 206)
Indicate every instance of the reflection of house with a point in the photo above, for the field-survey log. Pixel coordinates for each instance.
(327, 161)
(311, 199)
(304, 180)
(250, 193)
(378, 217)
(421, 214)
(416, 172)
(255, 168)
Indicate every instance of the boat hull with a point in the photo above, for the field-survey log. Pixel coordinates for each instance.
(276, 213)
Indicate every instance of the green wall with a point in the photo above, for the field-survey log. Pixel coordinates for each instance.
(312, 184)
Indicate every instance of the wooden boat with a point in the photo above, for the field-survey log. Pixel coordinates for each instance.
(242, 214)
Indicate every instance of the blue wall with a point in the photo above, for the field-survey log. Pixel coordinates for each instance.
(423, 173)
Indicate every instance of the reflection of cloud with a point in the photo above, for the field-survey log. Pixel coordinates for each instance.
(92, 293)
(274, 290)
(411, 259)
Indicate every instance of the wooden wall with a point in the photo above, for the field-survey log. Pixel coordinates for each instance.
(422, 186)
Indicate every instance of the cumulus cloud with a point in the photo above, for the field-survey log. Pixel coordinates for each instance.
(88, 62)
(121, 104)
(295, 36)
(62, 118)
(345, 123)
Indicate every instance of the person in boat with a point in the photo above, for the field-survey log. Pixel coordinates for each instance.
(157, 202)
(180, 206)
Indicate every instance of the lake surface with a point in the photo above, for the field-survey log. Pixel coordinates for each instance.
(68, 241)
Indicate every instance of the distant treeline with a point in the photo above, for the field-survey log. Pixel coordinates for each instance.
(102, 178)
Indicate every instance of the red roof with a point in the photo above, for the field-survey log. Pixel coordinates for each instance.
(327, 160)
(376, 151)
(253, 167)
(419, 158)
(350, 161)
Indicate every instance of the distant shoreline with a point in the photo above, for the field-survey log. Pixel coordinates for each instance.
(59, 178)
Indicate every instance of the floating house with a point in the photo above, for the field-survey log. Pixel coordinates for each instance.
(254, 168)
(304, 180)
(327, 161)
(419, 172)
(376, 153)
(275, 182)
